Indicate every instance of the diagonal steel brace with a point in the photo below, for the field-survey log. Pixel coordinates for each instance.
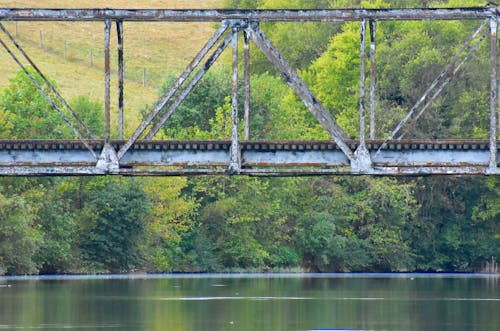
(441, 87)
(163, 101)
(450, 69)
(173, 107)
(49, 84)
(49, 99)
(299, 87)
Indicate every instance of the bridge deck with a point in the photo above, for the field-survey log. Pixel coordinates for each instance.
(155, 157)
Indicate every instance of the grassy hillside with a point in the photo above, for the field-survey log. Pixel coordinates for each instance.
(156, 48)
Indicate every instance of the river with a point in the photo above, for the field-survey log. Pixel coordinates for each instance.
(252, 302)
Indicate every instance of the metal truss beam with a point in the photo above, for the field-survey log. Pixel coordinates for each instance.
(348, 157)
(299, 87)
(257, 158)
(166, 15)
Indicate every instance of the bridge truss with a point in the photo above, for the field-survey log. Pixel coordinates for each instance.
(141, 154)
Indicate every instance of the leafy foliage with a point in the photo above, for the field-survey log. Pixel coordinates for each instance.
(19, 238)
(114, 222)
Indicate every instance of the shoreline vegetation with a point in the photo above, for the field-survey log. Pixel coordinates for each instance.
(83, 225)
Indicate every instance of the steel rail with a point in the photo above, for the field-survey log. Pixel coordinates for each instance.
(217, 15)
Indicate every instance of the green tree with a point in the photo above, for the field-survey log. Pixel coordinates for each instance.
(57, 221)
(456, 228)
(27, 114)
(113, 225)
(171, 223)
(91, 113)
(19, 239)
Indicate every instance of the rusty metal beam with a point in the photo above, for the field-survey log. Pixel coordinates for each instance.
(260, 172)
(107, 81)
(108, 159)
(246, 85)
(119, 33)
(182, 78)
(299, 87)
(235, 163)
(289, 157)
(362, 81)
(494, 104)
(362, 162)
(167, 15)
(498, 74)
(373, 75)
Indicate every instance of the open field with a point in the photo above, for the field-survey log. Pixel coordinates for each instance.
(63, 51)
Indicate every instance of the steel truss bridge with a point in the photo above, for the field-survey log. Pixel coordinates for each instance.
(141, 154)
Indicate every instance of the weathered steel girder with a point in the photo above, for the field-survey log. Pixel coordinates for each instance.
(140, 155)
(406, 157)
(186, 15)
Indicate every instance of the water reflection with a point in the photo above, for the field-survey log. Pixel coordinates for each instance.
(251, 302)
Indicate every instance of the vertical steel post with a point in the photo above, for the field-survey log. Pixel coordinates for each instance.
(362, 162)
(373, 76)
(362, 80)
(493, 92)
(107, 131)
(119, 32)
(234, 165)
(246, 82)
(498, 79)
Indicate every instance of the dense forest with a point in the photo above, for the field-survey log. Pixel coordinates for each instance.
(323, 224)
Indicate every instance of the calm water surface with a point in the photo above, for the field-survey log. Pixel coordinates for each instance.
(252, 302)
